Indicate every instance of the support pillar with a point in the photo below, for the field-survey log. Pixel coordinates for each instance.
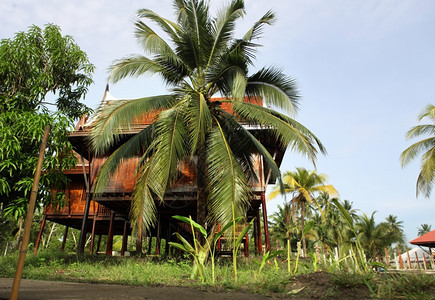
(38, 239)
(124, 239)
(65, 235)
(109, 246)
(246, 245)
(266, 226)
(159, 236)
(98, 244)
(139, 238)
(82, 239)
(91, 247)
(258, 225)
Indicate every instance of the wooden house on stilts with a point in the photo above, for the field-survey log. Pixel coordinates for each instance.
(108, 213)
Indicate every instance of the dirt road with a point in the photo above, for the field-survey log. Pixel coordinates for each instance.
(39, 289)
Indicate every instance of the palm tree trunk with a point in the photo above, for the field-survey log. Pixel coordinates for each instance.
(201, 209)
(304, 244)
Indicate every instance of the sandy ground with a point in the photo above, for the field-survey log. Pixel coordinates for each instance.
(39, 289)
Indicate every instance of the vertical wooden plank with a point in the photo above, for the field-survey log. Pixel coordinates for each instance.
(38, 239)
(82, 239)
(139, 238)
(94, 223)
(124, 239)
(159, 235)
(98, 244)
(386, 257)
(246, 245)
(219, 239)
(65, 235)
(110, 234)
(266, 226)
(259, 235)
(255, 236)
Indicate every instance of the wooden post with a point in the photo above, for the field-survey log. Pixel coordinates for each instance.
(98, 244)
(409, 260)
(65, 235)
(386, 257)
(425, 262)
(259, 235)
(82, 239)
(94, 224)
(246, 245)
(219, 239)
(266, 226)
(29, 217)
(400, 260)
(124, 239)
(416, 257)
(109, 246)
(139, 238)
(38, 239)
(159, 235)
(255, 236)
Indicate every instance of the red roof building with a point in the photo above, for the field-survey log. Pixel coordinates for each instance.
(426, 240)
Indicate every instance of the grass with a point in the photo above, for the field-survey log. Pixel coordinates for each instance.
(273, 280)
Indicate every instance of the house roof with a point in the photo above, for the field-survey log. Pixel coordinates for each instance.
(427, 240)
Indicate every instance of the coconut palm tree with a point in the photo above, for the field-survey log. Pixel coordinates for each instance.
(303, 184)
(427, 145)
(424, 228)
(375, 237)
(198, 57)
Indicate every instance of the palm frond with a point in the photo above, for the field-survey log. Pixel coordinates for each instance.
(199, 120)
(426, 177)
(223, 28)
(241, 140)
(420, 130)
(286, 130)
(117, 116)
(227, 182)
(169, 27)
(415, 149)
(134, 66)
(275, 88)
(133, 147)
(257, 29)
(143, 207)
(428, 112)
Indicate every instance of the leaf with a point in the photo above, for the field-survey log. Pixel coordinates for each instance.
(193, 223)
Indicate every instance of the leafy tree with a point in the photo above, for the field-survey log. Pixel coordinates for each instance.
(199, 58)
(424, 228)
(36, 67)
(425, 146)
(302, 184)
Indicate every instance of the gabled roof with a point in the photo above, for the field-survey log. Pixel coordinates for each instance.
(427, 240)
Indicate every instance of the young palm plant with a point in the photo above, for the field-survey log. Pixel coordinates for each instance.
(199, 58)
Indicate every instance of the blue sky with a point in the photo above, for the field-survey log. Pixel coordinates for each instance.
(365, 70)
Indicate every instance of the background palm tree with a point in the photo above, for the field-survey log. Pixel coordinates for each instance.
(302, 184)
(427, 145)
(424, 228)
(197, 58)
